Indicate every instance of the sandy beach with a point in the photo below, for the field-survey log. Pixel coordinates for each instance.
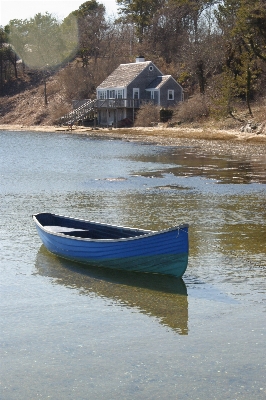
(160, 134)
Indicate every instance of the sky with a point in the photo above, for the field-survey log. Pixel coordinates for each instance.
(21, 9)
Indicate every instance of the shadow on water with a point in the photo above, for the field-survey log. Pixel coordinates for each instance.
(159, 296)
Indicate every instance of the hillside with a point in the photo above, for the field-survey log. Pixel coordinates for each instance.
(25, 106)
(24, 102)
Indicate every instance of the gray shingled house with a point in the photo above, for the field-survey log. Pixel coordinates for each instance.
(122, 93)
(129, 86)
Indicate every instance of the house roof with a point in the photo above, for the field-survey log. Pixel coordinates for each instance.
(123, 75)
(158, 82)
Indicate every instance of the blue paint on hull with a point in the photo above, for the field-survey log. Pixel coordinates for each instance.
(164, 252)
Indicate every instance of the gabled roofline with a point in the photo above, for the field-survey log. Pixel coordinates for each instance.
(144, 65)
(171, 77)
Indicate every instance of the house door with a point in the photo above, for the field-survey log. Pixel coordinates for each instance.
(110, 117)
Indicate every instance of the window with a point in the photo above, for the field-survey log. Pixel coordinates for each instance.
(102, 94)
(119, 93)
(152, 94)
(136, 93)
(171, 95)
(112, 94)
(151, 68)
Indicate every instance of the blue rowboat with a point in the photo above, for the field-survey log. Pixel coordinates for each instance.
(117, 247)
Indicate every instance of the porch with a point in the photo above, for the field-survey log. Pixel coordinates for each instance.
(103, 112)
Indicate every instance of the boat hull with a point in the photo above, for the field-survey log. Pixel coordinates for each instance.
(164, 252)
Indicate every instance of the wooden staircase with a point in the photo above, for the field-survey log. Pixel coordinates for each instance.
(78, 114)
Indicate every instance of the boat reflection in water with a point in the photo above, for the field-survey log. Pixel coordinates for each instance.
(160, 296)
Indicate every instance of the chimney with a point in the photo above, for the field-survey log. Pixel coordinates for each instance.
(140, 59)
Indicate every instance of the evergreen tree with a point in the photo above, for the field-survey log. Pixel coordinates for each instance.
(140, 13)
(244, 24)
(91, 24)
(42, 43)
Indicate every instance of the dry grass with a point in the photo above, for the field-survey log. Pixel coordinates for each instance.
(28, 107)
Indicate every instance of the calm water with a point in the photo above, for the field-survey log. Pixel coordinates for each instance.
(73, 333)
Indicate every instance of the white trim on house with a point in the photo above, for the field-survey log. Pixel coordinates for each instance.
(170, 94)
(152, 93)
(112, 93)
(135, 93)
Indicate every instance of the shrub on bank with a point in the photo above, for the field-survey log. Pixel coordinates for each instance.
(194, 109)
(147, 115)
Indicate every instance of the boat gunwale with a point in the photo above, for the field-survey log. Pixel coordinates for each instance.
(146, 234)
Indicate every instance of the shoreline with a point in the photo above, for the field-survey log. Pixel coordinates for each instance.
(160, 135)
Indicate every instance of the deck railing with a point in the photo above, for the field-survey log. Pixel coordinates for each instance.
(91, 106)
(117, 103)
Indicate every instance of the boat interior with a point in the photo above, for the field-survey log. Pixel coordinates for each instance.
(85, 229)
